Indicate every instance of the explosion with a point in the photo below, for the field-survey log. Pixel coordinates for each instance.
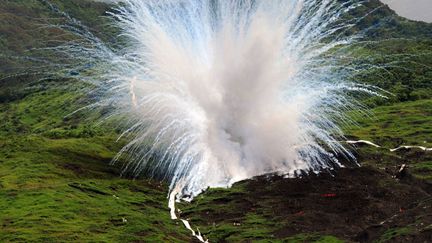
(214, 92)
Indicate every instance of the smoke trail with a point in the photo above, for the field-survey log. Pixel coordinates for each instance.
(218, 91)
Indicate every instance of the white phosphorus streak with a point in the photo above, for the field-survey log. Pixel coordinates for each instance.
(363, 142)
(216, 91)
(411, 147)
(391, 150)
(171, 205)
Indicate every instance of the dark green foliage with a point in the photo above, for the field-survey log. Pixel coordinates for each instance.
(402, 67)
(377, 21)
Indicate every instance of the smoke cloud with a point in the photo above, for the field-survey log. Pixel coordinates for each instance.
(217, 91)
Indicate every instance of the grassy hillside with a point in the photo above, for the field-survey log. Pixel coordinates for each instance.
(56, 181)
(405, 123)
(402, 67)
(57, 184)
(370, 204)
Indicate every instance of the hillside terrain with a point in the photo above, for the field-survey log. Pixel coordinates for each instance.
(57, 183)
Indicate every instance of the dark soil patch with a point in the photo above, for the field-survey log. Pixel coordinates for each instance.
(354, 204)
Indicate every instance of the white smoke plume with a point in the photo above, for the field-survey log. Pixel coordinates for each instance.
(218, 91)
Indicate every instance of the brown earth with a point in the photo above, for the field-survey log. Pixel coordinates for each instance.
(352, 204)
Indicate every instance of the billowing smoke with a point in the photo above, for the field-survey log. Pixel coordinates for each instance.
(218, 91)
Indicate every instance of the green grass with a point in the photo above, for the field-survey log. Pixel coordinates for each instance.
(61, 188)
(406, 123)
(300, 238)
(56, 181)
(401, 66)
(423, 170)
(57, 184)
(395, 232)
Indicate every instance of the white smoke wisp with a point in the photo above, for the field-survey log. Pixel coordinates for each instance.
(219, 91)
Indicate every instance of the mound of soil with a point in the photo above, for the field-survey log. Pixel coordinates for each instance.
(353, 204)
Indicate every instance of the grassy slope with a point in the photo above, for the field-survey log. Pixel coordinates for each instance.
(56, 185)
(297, 212)
(405, 123)
(403, 67)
